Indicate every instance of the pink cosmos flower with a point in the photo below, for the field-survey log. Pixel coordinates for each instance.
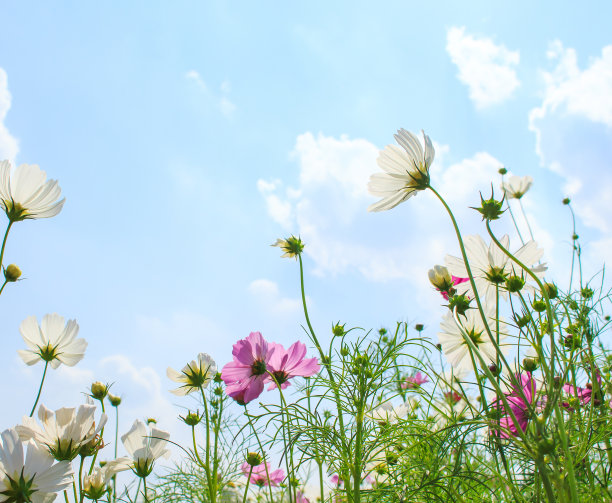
(300, 498)
(519, 405)
(413, 382)
(583, 394)
(245, 376)
(336, 480)
(456, 281)
(259, 475)
(285, 364)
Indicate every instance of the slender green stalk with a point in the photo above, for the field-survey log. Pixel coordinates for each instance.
(144, 490)
(81, 493)
(248, 416)
(74, 490)
(526, 219)
(4, 243)
(39, 389)
(3, 285)
(246, 487)
(116, 445)
(288, 454)
(573, 247)
(93, 461)
(212, 490)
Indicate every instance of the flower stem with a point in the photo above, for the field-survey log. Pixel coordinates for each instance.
(526, 219)
(4, 242)
(116, 444)
(212, 490)
(246, 413)
(246, 488)
(39, 389)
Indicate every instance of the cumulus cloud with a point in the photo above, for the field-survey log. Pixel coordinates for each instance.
(219, 99)
(489, 70)
(269, 297)
(328, 209)
(8, 143)
(573, 134)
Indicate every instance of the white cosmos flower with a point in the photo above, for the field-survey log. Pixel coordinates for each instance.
(456, 348)
(406, 170)
(145, 447)
(54, 341)
(195, 375)
(65, 431)
(32, 477)
(491, 266)
(27, 193)
(516, 186)
(94, 485)
(387, 413)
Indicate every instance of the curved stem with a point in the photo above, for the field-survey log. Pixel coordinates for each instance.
(3, 285)
(526, 219)
(4, 243)
(39, 389)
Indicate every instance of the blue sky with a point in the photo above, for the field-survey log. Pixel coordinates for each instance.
(188, 136)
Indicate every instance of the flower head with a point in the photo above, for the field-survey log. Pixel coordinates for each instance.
(292, 246)
(26, 193)
(95, 484)
(54, 341)
(63, 432)
(286, 364)
(491, 266)
(246, 374)
(415, 381)
(145, 446)
(262, 474)
(31, 477)
(406, 170)
(519, 399)
(516, 186)
(194, 376)
(387, 413)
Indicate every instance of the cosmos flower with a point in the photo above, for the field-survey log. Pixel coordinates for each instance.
(145, 446)
(32, 477)
(54, 341)
(292, 247)
(245, 376)
(491, 266)
(516, 186)
(387, 413)
(286, 364)
(26, 193)
(456, 348)
(415, 381)
(583, 395)
(94, 484)
(64, 432)
(261, 473)
(406, 170)
(194, 376)
(519, 402)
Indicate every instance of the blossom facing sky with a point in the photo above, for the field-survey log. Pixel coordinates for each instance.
(288, 363)
(491, 266)
(405, 170)
(516, 186)
(94, 484)
(194, 376)
(455, 347)
(145, 446)
(54, 341)
(65, 431)
(30, 476)
(26, 193)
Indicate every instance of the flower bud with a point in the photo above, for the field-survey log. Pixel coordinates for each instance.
(99, 390)
(217, 378)
(440, 278)
(338, 330)
(192, 418)
(151, 420)
(586, 293)
(490, 209)
(460, 303)
(502, 171)
(539, 306)
(344, 351)
(218, 391)
(566, 200)
(254, 458)
(494, 369)
(382, 331)
(12, 273)
(419, 327)
(530, 364)
(514, 284)
(575, 237)
(114, 400)
(522, 321)
(551, 290)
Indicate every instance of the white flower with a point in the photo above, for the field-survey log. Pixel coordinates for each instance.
(491, 266)
(65, 431)
(405, 171)
(145, 447)
(27, 193)
(456, 348)
(195, 375)
(32, 477)
(94, 485)
(516, 186)
(54, 341)
(453, 407)
(389, 414)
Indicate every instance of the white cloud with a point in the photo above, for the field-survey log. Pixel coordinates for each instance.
(8, 143)
(329, 210)
(573, 134)
(221, 99)
(486, 68)
(268, 295)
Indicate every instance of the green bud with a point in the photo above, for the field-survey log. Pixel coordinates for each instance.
(99, 390)
(490, 209)
(539, 306)
(586, 293)
(461, 303)
(254, 458)
(217, 378)
(522, 321)
(114, 400)
(551, 290)
(382, 331)
(192, 418)
(494, 369)
(12, 273)
(514, 284)
(575, 237)
(151, 420)
(419, 327)
(338, 330)
(502, 171)
(566, 200)
(530, 364)
(218, 391)
(344, 351)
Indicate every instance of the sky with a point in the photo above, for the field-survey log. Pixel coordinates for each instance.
(188, 136)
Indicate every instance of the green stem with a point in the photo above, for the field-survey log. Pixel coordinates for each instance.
(212, 490)
(4, 243)
(116, 445)
(526, 219)
(39, 389)
(144, 490)
(82, 495)
(246, 413)
(246, 488)
(93, 461)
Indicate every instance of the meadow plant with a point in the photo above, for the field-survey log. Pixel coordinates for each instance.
(509, 403)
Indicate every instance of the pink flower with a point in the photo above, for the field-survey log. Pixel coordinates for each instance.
(584, 395)
(336, 480)
(456, 281)
(413, 382)
(245, 376)
(300, 498)
(285, 364)
(519, 404)
(261, 473)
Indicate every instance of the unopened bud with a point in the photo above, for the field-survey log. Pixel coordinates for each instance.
(440, 278)
(192, 418)
(494, 369)
(114, 400)
(566, 200)
(338, 330)
(539, 306)
(551, 290)
(490, 209)
(254, 458)
(514, 284)
(502, 171)
(151, 420)
(12, 273)
(99, 390)
(530, 364)
(419, 327)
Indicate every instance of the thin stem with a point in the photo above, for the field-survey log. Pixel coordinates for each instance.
(4, 242)
(144, 489)
(116, 445)
(246, 413)
(82, 495)
(3, 285)
(246, 488)
(514, 222)
(526, 219)
(573, 247)
(212, 490)
(39, 389)
(93, 461)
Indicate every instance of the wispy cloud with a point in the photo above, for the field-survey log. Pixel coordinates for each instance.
(8, 143)
(220, 98)
(270, 298)
(486, 68)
